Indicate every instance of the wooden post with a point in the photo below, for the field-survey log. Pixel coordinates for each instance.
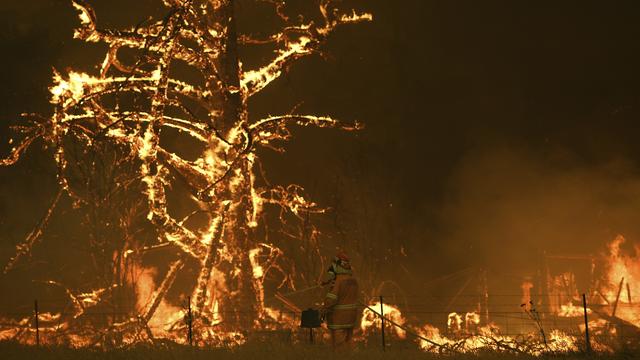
(189, 322)
(547, 308)
(615, 305)
(586, 323)
(603, 297)
(485, 296)
(35, 303)
(628, 293)
(382, 322)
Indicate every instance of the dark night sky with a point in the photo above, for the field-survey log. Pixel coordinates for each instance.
(494, 129)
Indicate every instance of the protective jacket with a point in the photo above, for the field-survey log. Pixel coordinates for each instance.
(341, 302)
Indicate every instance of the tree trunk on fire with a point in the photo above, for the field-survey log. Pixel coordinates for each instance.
(240, 305)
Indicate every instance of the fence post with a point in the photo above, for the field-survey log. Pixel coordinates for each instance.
(382, 321)
(586, 323)
(189, 322)
(615, 305)
(35, 303)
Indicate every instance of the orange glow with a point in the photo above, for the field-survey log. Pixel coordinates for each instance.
(225, 259)
(623, 269)
(372, 322)
(570, 310)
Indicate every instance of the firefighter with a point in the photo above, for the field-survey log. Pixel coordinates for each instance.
(340, 305)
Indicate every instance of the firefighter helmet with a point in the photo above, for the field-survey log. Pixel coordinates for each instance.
(342, 259)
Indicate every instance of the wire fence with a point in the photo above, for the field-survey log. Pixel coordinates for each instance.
(469, 315)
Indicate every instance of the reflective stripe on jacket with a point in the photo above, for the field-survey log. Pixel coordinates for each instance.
(341, 303)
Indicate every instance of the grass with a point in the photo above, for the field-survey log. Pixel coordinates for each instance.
(260, 351)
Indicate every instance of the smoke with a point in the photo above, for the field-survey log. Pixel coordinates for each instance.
(506, 204)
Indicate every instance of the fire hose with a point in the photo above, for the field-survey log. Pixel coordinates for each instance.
(287, 303)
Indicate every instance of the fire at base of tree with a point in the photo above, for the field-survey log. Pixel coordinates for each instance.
(603, 320)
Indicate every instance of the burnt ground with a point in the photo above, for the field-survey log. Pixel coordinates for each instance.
(266, 351)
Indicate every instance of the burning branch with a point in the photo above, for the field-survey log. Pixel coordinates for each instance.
(25, 247)
(121, 113)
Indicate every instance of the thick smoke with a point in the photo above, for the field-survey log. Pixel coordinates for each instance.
(506, 204)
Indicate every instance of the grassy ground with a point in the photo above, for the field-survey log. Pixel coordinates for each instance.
(259, 351)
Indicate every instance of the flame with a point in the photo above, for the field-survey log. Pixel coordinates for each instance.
(466, 337)
(570, 310)
(622, 282)
(454, 322)
(526, 292)
(371, 322)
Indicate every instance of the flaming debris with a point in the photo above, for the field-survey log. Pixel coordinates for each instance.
(119, 115)
(610, 316)
(371, 320)
(621, 286)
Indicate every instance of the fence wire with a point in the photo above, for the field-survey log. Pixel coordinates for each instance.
(504, 312)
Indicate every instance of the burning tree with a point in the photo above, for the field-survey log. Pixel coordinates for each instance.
(179, 76)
